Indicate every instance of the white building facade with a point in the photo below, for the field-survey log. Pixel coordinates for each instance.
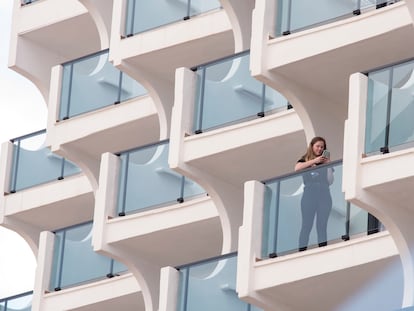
(164, 178)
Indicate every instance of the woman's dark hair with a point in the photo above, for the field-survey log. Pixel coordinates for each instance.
(309, 155)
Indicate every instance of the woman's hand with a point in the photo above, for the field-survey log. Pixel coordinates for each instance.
(318, 160)
(321, 160)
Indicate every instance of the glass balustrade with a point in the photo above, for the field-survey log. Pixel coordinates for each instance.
(227, 94)
(308, 209)
(74, 260)
(211, 285)
(297, 15)
(91, 83)
(33, 164)
(145, 15)
(146, 181)
(20, 302)
(390, 107)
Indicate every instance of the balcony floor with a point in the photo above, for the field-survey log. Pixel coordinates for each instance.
(118, 293)
(72, 202)
(276, 142)
(108, 129)
(169, 236)
(343, 276)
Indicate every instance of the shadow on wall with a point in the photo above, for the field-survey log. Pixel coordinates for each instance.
(383, 292)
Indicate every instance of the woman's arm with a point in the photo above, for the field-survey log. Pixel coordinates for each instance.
(302, 165)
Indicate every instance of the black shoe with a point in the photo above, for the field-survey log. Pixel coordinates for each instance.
(304, 248)
(323, 244)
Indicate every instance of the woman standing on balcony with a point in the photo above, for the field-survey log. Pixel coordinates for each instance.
(316, 199)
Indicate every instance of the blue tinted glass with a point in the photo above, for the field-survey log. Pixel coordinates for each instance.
(74, 260)
(147, 181)
(308, 209)
(34, 164)
(210, 286)
(295, 15)
(227, 93)
(21, 302)
(92, 83)
(145, 15)
(389, 108)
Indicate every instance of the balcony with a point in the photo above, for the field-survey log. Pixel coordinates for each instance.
(312, 62)
(231, 110)
(292, 16)
(206, 285)
(163, 44)
(222, 119)
(72, 276)
(93, 107)
(181, 29)
(153, 217)
(380, 159)
(45, 31)
(41, 191)
(141, 17)
(342, 250)
(20, 302)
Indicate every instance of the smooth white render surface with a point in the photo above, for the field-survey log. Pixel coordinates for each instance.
(44, 34)
(310, 68)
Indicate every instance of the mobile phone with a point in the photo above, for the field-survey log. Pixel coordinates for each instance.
(326, 154)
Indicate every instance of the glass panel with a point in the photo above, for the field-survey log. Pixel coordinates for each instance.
(92, 83)
(147, 181)
(145, 15)
(211, 285)
(227, 93)
(308, 209)
(34, 164)
(74, 261)
(296, 15)
(402, 105)
(390, 107)
(21, 302)
(376, 110)
(201, 6)
(130, 88)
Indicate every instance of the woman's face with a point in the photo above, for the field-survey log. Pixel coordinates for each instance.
(318, 147)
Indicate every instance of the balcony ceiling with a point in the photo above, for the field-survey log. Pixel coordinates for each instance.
(110, 129)
(188, 43)
(364, 273)
(121, 292)
(169, 236)
(71, 203)
(131, 302)
(273, 157)
(331, 290)
(68, 39)
(178, 246)
(257, 150)
(163, 62)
